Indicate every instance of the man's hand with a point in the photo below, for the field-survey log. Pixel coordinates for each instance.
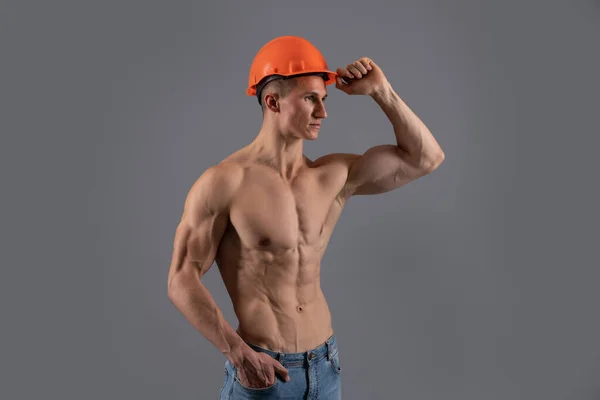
(363, 77)
(257, 370)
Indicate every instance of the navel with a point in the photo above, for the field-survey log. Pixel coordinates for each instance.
(264, 241)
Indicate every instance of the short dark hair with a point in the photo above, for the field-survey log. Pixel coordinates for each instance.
(282, 85)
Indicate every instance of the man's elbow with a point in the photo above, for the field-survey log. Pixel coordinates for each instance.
(176, 283)
(184, 279)
(171, 287)
(432, 162)
(177, 292)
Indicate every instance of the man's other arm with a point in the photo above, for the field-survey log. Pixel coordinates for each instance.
(197, 238)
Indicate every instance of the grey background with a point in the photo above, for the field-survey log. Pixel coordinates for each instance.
(479, 281)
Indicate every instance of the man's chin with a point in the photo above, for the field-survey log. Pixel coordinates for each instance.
(312, 135)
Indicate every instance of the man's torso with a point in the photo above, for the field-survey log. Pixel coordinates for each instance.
(269, 256)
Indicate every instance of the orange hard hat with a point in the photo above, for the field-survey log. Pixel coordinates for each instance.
(286, 57)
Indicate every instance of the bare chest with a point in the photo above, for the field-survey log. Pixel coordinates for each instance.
(269, 213)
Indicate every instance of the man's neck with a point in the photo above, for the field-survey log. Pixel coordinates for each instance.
(278, 151)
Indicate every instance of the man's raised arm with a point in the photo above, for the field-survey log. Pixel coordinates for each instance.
(387, 167)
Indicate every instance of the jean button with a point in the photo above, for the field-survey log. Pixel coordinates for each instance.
(311, 356)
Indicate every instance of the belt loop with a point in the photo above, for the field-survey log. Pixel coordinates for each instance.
(328, 350)
(278, 357)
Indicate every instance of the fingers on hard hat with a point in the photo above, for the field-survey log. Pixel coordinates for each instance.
(344, 73)
(339, 84)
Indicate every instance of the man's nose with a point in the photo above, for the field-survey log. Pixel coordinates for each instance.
(320, 111)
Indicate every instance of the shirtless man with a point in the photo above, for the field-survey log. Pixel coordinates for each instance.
(265, 215)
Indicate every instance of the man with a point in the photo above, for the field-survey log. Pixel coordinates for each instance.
(265, 215)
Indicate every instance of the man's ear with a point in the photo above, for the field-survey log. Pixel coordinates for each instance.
(272, 102)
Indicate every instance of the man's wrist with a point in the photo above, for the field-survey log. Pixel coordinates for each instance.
(237, 353)
(383, 93)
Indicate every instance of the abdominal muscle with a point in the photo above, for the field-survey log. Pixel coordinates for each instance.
(285, 327)
(278, 300)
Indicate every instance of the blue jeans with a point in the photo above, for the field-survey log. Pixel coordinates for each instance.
(314, 375)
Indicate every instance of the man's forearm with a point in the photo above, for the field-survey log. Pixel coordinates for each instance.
(412, 135)
(198, 306)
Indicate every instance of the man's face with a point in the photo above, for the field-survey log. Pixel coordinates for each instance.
(302, 109)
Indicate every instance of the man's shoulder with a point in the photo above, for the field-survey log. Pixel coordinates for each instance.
(217, 184)
(223, 176)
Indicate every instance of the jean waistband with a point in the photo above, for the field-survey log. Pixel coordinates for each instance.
(324, 350)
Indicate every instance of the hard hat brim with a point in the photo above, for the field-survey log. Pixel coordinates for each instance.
(251, 91)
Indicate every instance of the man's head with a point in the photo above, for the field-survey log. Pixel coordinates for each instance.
(295, 105)
(289, 76)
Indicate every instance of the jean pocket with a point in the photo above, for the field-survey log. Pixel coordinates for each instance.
(226, 389)
(334, 361)
(244, 388)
